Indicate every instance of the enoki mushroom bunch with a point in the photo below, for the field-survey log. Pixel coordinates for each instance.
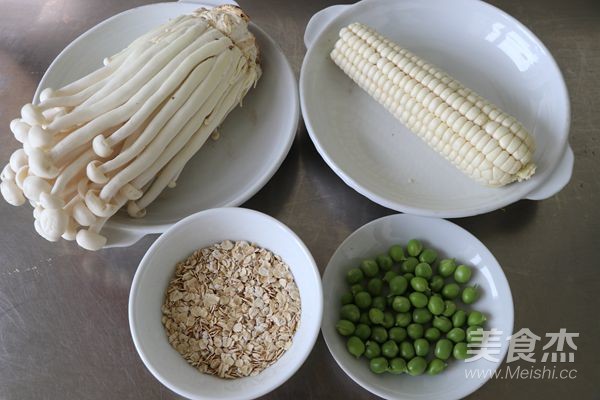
(123, 133)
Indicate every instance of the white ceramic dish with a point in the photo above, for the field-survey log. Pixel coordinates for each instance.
(483, 47)
(156, 269)
(254, 139)
(451, 241)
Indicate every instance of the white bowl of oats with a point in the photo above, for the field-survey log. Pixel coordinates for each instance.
(226, 304)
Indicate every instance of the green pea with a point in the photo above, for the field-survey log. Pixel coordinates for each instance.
(372, 350)
(347, 298)
(435, 366)
(474, 334)
(428, 256)
(408, 276)
(363, 300)
(397, 366)
(414, 247)
(456, 335)
(396, 253)
(432, 334)
(422, 315)
(447, 267)
(415, 331)
(423, 270)
(355, 346)
(345, 327)
(354, 275)
(418, 299)
(403, 319)
(378, 303)
(451, 291)
(388, 320)
(419, 284)
(376, 316)
(436, 305)
(357, 288)
(374, 286)
(449, 308)
(389, 276)
(436, 283)
(378, 365)
(364, 318)
(384, 262)
(407, 350)
(442, 323)
(362, 331)
(350, 312)
(443, 349)
(409, 265)
(397, 334)
(398, 285)
(470, 294)
(460, 351)
(379, 334)
(400, 304)
(389, 349)
(459, 319)
(421, 347)
(476, 318)
(462, 274)
(416, 366)
(369, 268)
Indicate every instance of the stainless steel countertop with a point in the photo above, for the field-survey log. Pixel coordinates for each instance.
(63, 311)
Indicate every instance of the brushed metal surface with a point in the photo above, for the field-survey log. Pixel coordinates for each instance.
(63, 311)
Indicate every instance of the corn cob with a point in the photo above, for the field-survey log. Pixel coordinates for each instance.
(481, 140)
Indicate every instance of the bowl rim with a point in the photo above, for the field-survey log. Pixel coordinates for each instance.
(143, 266)
(513, 196)
(294, 118)
(509, 306)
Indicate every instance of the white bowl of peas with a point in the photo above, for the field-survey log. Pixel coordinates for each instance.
(413, 306)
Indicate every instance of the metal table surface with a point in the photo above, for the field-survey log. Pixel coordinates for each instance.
(64, 332)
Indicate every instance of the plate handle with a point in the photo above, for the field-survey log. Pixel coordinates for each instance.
(319, 21)
(121, 237)
(210, 3)
(557, 180)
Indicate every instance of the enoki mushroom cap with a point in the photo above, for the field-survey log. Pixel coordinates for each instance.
(18, 159)
(94, 173)
(21, 175)
(20, 130)
(46, 94)
(101, 146)
(134, 210)
(33, 186)
(90, 240)
(53, 223)
(98, 206)
(38, 137)
(7, 173)
(41, 164)
(11, 193)
(71, 231)
(32, 114)
(82, 215)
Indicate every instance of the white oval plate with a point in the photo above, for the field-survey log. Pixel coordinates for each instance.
(449, 240)
(483, 47)
(254, 141)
